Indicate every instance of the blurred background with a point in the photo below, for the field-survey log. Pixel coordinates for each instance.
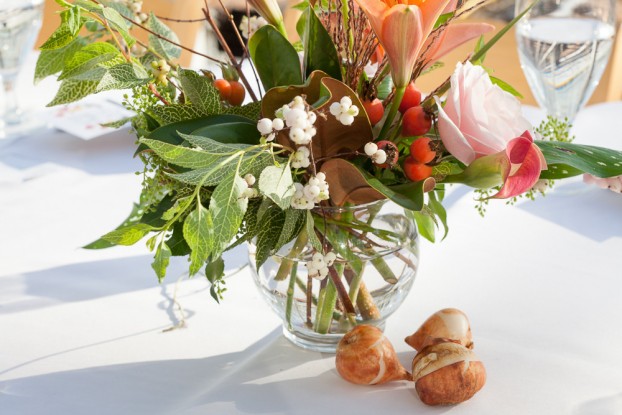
(503, 57)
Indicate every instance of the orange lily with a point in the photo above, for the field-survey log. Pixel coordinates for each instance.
(402, 27)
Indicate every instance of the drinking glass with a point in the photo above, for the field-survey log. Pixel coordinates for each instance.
(20, 21)
(564, 46)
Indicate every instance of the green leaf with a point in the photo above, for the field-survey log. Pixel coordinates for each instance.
(215, 270)
(162, 47)
(88, 59)
(568, 159)
(70, 91)
(53, 61)
(275, 58)
(437, 208)
(272, 222)
(408, 196)
(227, 207)
(132, 218)
(176, 242)
(385, 88)
(425, 225)
(242, 132)
(506, 87)
(128, 235)
(197, 231)
(443, 18)
(122, 10)
(320, 52)
(124, 76)
(161, 260)
(277, 184)
(200, 91)
(118, 23)
(118, 123)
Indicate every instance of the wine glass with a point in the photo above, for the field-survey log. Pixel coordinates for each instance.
(564, 46)
(20, 22)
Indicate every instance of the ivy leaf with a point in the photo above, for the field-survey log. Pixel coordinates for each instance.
(124, 76)
(118, 23)
(168, 114)
(227, 207)
(161, 260)
(251, 111)
(161, 46)
(63, 35)
(183, 156)
(215, 270)
(214, 146)
(568, 159)
(277, 184)
(197, 232)
(267, 47)
(53, 61)
(176, 242)
(128, 235)
(70, 91)
(313, 239)
(200, 91)
(88, 59)
(320, 49)
(295, 220)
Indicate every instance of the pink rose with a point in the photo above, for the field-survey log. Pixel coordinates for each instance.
(479, 118)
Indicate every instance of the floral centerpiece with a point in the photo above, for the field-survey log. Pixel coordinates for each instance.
(322, 154)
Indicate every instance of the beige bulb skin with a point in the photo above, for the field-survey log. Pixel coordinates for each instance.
(449, 324)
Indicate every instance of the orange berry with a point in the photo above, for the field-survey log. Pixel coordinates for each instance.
(420, 150)
(416, 171)
(237, 93)
(411, 98)
(224, 88)
(416, 122)
(374, 110)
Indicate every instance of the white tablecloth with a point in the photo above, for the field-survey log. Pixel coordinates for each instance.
(83, 332)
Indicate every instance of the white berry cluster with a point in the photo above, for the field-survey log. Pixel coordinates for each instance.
(250, 26)
(307, 195)
(376, 155)
(268, 128)
(250, 191)
(160, 69)
(135, 7)
(318, 266)
(344, 110)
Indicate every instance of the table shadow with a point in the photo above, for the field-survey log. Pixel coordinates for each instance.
(607, 405)
(96, 279)
(269, 377)
(111, 153)
(594, 213)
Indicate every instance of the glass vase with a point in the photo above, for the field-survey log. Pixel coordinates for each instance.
(377, 250)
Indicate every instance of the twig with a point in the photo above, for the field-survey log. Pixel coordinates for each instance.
(170, 19)
(155, 92)
(227, 49)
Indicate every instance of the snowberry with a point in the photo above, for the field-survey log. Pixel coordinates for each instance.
(265, 126)
(371, 148)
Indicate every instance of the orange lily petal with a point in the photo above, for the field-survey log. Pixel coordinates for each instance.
(374, 9)
(453, 36)
(430, 10)
(402, 38)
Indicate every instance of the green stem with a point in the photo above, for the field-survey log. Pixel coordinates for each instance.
(290, 297)
(345, 14)
(326, 305)
(397, 99)
(281, 28)
(288, 262)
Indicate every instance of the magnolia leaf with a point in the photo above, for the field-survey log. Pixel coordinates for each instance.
(276, 60)
(568, 159)
(128, 235)
(200, 91)
(241, 131)
(227, 207)
(164, 48)
(320, 53)
(277, 184)
(347, 184)
(197, 232)
(161, 260)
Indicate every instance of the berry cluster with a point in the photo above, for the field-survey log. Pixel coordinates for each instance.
(250, 26)
(319, 264)
(307, 195)
(160, 70)
(376, 155)
(415, 165)
(251, 191)
(344, 110)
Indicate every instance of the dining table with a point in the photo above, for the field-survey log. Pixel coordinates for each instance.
(94, 332)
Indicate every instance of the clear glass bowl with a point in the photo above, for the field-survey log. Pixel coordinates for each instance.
(377, 248)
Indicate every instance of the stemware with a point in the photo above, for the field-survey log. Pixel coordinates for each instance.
(20, 22)
(564, 46)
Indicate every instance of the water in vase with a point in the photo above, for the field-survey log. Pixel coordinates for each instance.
(19, 26)
(563, 60)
